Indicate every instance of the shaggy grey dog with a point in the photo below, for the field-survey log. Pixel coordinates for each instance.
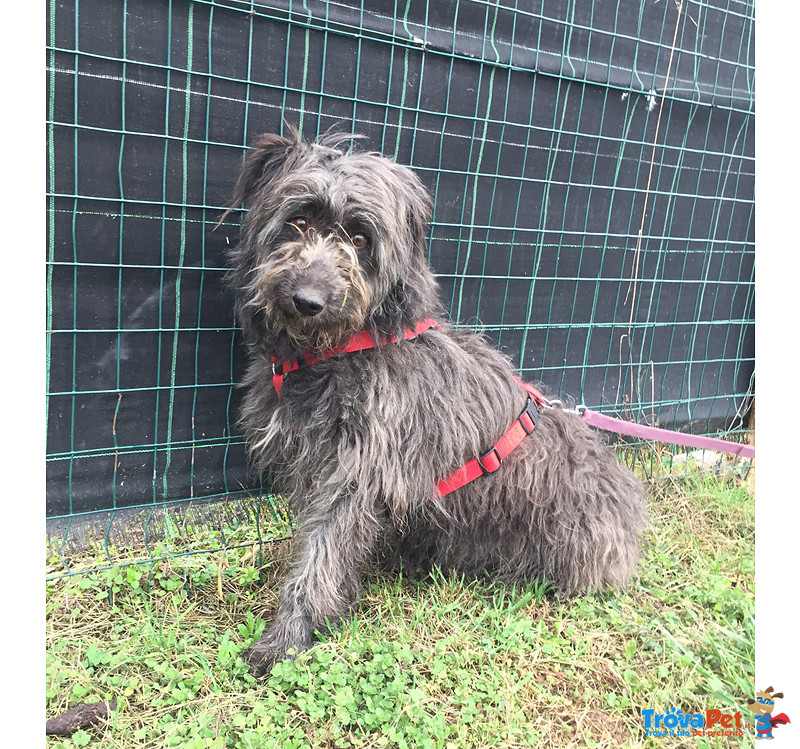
(333, 246)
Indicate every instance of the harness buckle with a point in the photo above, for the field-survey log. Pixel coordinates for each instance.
(492, 452)
(532, 412)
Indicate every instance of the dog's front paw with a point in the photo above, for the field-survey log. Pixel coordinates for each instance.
(261, 657)
(274, 646)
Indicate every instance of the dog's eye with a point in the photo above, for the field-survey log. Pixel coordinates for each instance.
(301, 222)
(359, 239)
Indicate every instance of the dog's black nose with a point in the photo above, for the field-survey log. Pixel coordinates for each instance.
(308, 303)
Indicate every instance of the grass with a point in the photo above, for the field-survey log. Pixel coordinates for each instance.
(438, 663)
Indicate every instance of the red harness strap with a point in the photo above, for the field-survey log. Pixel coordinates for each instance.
(358, 342)
(489, 462)
(493, 458)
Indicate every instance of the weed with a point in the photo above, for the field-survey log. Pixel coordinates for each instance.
(444, 662)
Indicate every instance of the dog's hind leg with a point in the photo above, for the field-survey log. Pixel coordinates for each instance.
(330, 550)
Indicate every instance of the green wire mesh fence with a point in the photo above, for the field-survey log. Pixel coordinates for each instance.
(592, 169)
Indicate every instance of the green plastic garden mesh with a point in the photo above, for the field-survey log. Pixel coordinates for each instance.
(592, 168)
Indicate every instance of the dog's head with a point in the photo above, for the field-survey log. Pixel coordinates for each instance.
(333, 242)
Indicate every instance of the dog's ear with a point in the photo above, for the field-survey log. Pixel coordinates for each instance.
(419, 209)
(263, 161)
(414, 290)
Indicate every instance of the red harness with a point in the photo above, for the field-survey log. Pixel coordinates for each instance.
(484, 464)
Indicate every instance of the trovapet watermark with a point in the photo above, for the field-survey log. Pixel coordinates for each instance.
(708, 723)
(713, 722)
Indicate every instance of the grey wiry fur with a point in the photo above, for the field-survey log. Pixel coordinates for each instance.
(357, 441)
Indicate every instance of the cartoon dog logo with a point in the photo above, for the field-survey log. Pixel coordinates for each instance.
(762, 707)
